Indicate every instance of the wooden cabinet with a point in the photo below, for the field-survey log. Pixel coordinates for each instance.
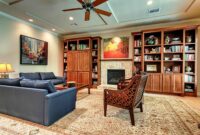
(173, 83)
(154, 83)
(83, 61)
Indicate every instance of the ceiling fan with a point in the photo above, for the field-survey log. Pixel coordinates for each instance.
(89, 6)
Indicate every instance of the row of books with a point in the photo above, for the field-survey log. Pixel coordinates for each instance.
(189, 57)
(153, 50)
(189, 49)
(189, 78)
(137, 43)
(173, 49)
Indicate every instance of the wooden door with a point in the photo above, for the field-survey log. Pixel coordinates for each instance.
(157, 82)
(148, 87)
(72, 76)
(72, 59)
(84, 61)
(177, 83)
(167, 83)
(83, 77)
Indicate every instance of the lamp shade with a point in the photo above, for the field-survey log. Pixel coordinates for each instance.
(6, 68)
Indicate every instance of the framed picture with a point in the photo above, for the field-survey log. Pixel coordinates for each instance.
(116, 47)
(33, 51)
(176, 69)
(151, 68)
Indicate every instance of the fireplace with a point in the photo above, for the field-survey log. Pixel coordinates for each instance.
(115, 75)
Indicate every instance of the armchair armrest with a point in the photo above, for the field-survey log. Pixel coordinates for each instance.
(59, 104)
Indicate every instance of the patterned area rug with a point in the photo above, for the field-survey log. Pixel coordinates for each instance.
(163, 115)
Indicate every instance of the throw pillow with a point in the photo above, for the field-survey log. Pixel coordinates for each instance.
(47, 75)
(10, 82)
(39, 84)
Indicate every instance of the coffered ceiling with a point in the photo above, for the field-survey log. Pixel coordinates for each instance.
(125, 13)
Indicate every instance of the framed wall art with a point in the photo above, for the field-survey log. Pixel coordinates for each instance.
(33, 51)
(116, 47)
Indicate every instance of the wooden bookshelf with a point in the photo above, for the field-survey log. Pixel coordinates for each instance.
(168, 55)
(80, 58)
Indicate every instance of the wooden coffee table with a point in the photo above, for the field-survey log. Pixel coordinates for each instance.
(79, 86)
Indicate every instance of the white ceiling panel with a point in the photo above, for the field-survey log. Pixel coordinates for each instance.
(125, 13)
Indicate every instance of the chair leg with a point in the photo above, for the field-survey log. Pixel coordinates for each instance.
(141, 107)
(105, 108)
(132, 116)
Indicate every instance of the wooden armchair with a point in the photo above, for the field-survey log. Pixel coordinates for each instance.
(128, 98)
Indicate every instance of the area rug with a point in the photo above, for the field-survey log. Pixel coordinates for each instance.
(163, 115)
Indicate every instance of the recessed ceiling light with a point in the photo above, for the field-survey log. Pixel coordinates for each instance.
(71, 18)
(149, 2)
(53, 29)
(30, 20)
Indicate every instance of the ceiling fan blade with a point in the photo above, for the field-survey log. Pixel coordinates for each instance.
(80, 1)
(98, 2)
(87, 15)
(15, 2)
(72, 9)
(103, 12)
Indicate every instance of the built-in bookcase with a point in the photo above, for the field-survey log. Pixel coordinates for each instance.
(81, 60)
(168, 55)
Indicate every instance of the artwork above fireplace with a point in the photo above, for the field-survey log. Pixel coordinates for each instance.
(115, 75)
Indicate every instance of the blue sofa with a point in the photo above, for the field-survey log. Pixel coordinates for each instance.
(36, 105)
(44, 76)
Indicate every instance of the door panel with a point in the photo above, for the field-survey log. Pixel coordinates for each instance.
(167, 83)
(72, 76)
(157, 82)
(177, 83)
(83, 77)
(72, 63)
(84, 61)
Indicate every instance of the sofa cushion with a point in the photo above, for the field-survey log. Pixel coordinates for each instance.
(31, 76)
(10, 82)
(47, 75)
(39, 84)
(56, 81)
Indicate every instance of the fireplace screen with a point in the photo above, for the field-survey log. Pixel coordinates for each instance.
(115, 75)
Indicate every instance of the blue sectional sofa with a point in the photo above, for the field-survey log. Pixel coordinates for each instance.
(44, 76)
(35, 104)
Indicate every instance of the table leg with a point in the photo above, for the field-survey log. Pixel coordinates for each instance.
(88, 89)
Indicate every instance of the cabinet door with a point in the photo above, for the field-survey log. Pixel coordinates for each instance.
(72, 76)
(83, 77)
(167, 83)
(177, 83)
(84, 61)
(149, 83)
(157, 82)
(72, 61)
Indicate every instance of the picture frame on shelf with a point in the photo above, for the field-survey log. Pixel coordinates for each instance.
(151, 68)
(176, 69)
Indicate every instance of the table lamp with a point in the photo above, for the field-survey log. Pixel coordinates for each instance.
(5, 69)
